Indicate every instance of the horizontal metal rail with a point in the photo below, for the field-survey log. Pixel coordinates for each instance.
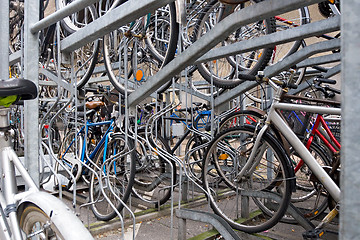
(124, 14)
(270, 40)
(73, 7)
(330, 58)
(286, 63)
(220, 31)
(15, 57)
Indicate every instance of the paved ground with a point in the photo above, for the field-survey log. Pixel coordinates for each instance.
(153, 224)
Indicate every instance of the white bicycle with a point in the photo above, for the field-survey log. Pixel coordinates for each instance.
(28, 214)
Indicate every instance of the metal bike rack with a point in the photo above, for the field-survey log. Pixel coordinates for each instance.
(219, 223)
(201, 51)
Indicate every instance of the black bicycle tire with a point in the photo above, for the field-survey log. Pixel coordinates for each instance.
(286, 194)
(237, 114)
(260, 65)
(174, 33)
(67, 30)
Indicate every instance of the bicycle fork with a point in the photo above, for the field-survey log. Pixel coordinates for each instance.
(252, 161)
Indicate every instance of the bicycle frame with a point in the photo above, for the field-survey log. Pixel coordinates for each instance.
(8, 195)
(275, 119)
(200, 117)
(315, 132)
(84, 129)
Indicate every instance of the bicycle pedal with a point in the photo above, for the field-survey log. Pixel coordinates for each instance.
(313, 234)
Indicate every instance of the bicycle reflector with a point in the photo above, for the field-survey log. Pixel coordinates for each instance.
(223, 156)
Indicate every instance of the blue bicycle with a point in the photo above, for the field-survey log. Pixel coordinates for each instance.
(100, 157)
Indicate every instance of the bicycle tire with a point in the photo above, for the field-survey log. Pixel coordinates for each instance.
(239, 118)
(112, 57)
(84, 61)
(33, 215)
(118, 176)
(310, 197)
(229, 79)
(194, 158)
(152, 181)
(70, 155)
(270, 178)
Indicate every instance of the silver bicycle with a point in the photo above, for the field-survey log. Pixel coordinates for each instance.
(28, 214)
(249, 176)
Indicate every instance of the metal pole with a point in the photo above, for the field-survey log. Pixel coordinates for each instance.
(350, 125)
(31, 72)
(60, 14)
(4, 47)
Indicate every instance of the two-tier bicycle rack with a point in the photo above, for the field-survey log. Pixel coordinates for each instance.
(202, 51)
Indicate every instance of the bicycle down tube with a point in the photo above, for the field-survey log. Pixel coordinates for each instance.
(299, 146)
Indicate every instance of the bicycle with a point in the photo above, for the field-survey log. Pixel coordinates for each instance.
(91, 148)
(30, 213)
(309, 199)
(154, 174)
(255, 177)
(224, 72)
(147, 44)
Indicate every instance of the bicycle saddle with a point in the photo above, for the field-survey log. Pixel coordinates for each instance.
(94, 104)
(23, 88)
(233, 1)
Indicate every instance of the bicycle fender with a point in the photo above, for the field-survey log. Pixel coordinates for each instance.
(61, 215)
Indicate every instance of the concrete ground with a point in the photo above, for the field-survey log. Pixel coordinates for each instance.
(163, 224)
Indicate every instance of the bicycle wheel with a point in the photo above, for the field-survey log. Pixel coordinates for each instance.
(36, 224)
(223, 72)
(116, 168)
(195, 152)
(69, 155)
(154, 175)
(148, 48)
(86, 57)
(310, 197)
(266, 181)
(240, 118)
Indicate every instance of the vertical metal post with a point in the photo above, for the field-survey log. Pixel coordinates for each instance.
(4, 47)
(182, 229)
(31, 72)
(350, 125)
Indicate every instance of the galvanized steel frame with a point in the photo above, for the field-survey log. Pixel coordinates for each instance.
(199, 52)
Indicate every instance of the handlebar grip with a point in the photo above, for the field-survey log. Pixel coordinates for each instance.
(292, 85)
(325, 80)
(93, 90)
(247, 77)
(328, 88)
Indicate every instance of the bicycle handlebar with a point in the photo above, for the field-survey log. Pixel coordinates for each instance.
(325, 80)
(259, 77)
